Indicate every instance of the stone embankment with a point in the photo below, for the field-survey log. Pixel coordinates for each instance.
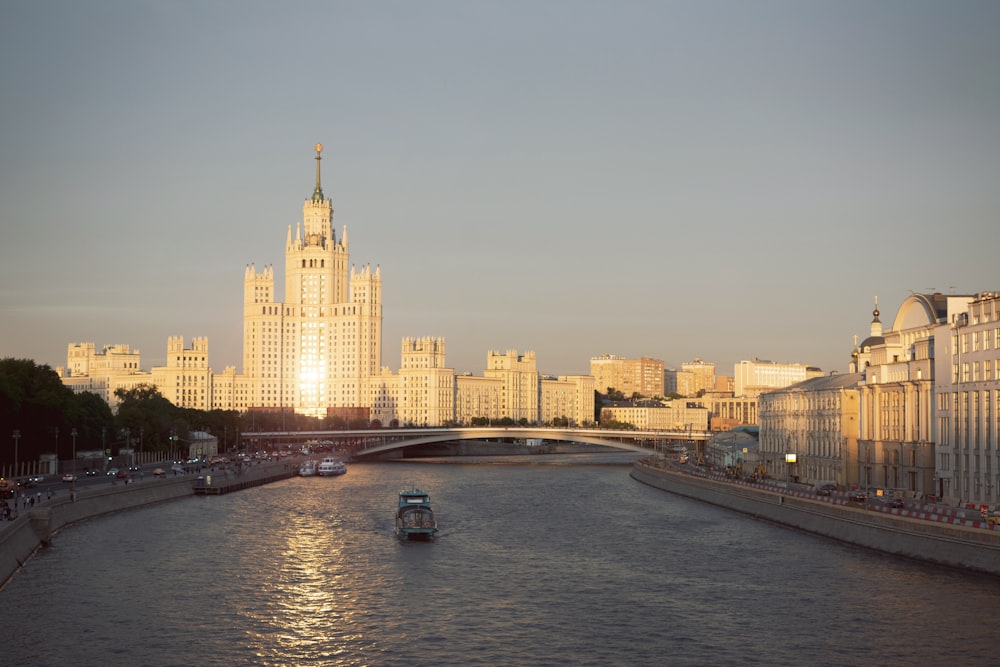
(971, 548)
(34, 528)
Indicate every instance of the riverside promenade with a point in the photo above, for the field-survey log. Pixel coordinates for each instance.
(36, 526)
(930, 536)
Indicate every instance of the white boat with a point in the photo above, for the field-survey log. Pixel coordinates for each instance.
(329, 467)
(307, 469)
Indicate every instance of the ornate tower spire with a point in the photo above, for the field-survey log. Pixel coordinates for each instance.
(318, 192)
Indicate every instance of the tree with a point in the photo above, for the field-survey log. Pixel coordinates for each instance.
(34, 401)
(144, 412)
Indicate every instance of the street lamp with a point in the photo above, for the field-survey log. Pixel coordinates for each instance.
(17, 436)
(790, 460)
(73, 434)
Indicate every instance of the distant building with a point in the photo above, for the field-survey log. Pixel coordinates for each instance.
(676, 415)
(702, 374)
(757, 376)
(103, 373)
(642, 376)
(728, 411)
(318, 352)
(678, 382)
(186, 379)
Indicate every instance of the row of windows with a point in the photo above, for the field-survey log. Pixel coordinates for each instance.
(978, 340)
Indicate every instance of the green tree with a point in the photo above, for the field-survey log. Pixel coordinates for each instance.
(145, 417)
(35, 402)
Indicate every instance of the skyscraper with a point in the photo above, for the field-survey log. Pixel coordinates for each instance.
(320, 347)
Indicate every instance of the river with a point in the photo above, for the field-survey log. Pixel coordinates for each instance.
(541, 560)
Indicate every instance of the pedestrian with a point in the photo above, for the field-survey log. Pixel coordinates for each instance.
(39, 497)
(49, 497)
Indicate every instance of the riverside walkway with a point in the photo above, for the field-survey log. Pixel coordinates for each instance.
(965, 515)
(928, 533)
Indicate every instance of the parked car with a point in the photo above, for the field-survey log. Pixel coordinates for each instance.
(858, 496)
(895, 502)
(69, 477)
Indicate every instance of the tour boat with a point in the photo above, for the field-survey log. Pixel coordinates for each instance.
(307, 469)
(414, 517)
(329, 467)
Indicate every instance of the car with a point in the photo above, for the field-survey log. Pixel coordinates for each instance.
(91, 472)
(69, 477)
(159, 472)
(895, 502)
(858, 496)
(824, 488)
(121, 474)
(112, 472)
(30, 482)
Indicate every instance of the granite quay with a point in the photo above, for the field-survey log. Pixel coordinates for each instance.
(935, 535)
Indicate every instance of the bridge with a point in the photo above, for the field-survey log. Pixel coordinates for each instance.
(373, 443)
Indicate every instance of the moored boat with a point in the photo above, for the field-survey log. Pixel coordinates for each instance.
(329, 467)
(414, 517)
(307, 469)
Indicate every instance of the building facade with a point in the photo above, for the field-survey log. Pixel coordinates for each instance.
(896, 440)
(677, 415)
(809, 431)
(320, 347)
(702, 376)
(757, 376)
(642, 376)
(966, 423)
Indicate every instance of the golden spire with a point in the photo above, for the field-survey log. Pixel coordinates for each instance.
(318, 192)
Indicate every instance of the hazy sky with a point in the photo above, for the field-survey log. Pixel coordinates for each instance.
(724, 180)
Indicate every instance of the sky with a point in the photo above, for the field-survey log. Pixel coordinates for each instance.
(723, 180)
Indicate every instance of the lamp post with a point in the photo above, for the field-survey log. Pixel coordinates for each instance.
(790, 461)
(73, 434)
(17, 436)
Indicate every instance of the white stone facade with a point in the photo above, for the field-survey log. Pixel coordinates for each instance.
(809, 430)
(754, 377)
(966, 422)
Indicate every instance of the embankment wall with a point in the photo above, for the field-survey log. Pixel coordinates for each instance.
(957, 546)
